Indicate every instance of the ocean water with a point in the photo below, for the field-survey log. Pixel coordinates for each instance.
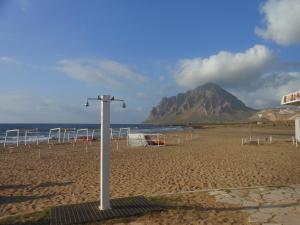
(40, 132)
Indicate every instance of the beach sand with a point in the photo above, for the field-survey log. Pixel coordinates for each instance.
(193, 160)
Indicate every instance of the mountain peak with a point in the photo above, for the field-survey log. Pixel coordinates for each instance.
(210, 85)
(206, 103)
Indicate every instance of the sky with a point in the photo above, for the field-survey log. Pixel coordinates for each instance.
(56, 53)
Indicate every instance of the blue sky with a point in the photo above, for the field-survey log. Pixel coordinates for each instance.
(54, 54)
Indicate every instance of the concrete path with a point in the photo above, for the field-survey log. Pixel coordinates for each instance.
(268, 205)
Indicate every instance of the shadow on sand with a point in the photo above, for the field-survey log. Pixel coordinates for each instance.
(14, 186)
(24, 198)
(21, 198)
(51, 184)
(42, 185)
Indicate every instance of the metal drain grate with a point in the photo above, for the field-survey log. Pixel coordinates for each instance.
(89, 212)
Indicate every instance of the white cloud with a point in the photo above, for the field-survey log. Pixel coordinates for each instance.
(8, 60)
(269, 88)
(254, 75)
(225, 68)
(281, 20)
(31, 108)
(99, 71)
(14, 61)
(20, 108)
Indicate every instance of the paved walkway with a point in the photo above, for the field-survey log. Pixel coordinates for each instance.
(268, 205)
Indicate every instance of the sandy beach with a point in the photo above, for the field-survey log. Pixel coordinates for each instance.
(194, 160)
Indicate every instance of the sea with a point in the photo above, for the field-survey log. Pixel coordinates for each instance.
(40, 132)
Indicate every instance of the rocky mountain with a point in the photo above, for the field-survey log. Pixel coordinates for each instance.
(206, 103)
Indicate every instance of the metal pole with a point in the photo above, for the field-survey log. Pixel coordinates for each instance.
(49, 136)
(18, 133)
(59, 135)
(93, 134)
(127, 141)
(104, 153)
(120, 133)
(25, 137)
(297, 128)
(64, 137)
(76, 136)
(5, 139)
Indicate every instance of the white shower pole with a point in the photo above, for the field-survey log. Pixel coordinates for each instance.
(104, 152)
(104, 148)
